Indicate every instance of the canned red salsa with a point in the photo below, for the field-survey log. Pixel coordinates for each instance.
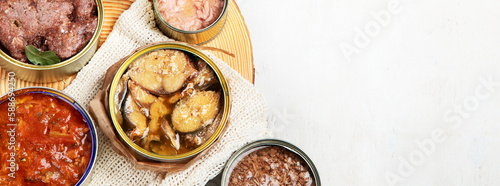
(52, 142)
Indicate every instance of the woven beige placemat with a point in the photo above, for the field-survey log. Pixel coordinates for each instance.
(248, 117)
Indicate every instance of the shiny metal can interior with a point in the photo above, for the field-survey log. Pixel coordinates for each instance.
(59, 71)
(194, 37)
(242, 152)
(158, 157)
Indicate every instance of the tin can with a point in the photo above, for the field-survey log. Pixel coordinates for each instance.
(58, 71)
(245, 150)
(136, 149)
(87, 176)
(201, 36)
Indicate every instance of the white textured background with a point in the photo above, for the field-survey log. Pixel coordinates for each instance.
(421, 73)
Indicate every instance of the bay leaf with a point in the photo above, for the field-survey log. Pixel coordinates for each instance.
(38, 57)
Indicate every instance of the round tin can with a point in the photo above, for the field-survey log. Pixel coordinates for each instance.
(151, 155)
(87, 176)
(194, 37)
(58, 71)
(247, 149)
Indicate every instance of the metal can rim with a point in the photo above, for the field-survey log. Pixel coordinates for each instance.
(268, 142)
(90, 123)
(222, 14)
(93, 41)
(174, 46)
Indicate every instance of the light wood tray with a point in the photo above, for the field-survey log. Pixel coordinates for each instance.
(234, 38)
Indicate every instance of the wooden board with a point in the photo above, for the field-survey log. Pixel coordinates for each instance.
(234, 38)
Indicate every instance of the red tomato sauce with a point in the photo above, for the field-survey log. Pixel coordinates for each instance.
(52, 143)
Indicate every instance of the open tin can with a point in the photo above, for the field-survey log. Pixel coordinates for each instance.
(58, 71)
(139, 151)
(245, 151)
(88, 172)
(194, 37)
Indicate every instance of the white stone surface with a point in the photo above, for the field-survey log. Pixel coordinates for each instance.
(420, 73)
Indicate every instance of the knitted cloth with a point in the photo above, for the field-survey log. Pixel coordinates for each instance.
(247, 120)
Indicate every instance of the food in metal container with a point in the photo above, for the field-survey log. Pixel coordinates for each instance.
(190, 15)
(168, 102)
(271, 165)
(62, 26)
(196, 111)
(53, 141)
(162, 72)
